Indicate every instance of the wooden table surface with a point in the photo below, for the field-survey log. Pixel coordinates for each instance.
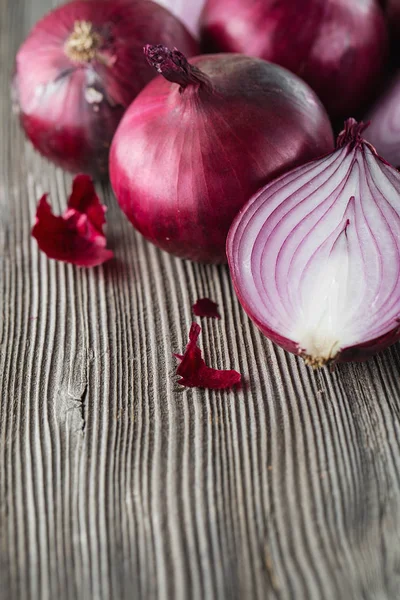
(115, 482)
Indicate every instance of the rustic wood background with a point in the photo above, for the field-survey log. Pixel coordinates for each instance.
(115, 483)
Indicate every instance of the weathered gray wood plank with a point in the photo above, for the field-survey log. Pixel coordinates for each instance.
(115, 483)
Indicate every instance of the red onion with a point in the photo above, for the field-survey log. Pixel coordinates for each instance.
(392, 8)
(384, 130)
(187, 12)
(80, 68)
(392, 11)
(198, 142)
(337, 46)
(315, 255)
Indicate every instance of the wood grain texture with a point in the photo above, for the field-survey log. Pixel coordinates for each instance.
(115, 483)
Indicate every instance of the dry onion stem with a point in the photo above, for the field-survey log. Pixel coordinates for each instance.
(83, 43)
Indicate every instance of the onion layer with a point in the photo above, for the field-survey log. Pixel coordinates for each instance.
(337, 46)
(197, 143)
(194, 372)
(315, 255)
(80, 68)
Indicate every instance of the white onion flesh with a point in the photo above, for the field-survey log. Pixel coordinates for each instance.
(315, 256)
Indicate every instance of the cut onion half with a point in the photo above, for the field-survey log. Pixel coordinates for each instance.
(315, 255)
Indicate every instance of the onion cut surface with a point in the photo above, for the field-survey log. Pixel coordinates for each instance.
(315, 255)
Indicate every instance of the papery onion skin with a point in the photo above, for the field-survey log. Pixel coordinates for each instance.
(315, 255)
(194, 372)
(76, 237)
(204, 307)
(184, 161)
(69, 107)
(338, 47)
(384, 129)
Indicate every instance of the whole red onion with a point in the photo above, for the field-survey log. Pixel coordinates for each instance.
(187, 11)
(315, 255)
(196, 143)
(80, 68)
(337, 46)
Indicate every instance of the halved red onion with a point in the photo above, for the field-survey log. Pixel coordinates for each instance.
(315, 255)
